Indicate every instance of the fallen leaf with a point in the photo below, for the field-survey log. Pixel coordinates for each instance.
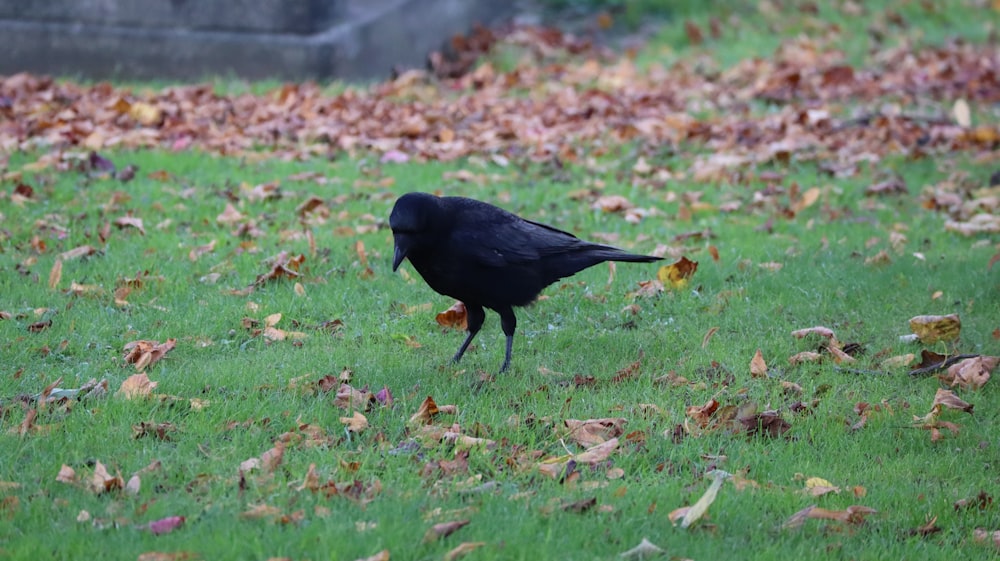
(678, 273)
(931, 329)
(947, 398)
(355, 423)
(972, 373)
(137, 386)
(645, 549)
(758, 368)
(455, 316)
(699, 508)
(444, 530)
(55, 275)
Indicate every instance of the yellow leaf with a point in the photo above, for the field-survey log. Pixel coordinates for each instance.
(931, 329)
(677, 274)
(145, 113)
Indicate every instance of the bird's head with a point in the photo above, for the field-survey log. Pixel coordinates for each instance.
(412, 216)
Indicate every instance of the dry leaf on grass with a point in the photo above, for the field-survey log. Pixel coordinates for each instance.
(145, 353)
(678, 274)
(931, 329)
(455, 316)
(855, 514)
(690, 514)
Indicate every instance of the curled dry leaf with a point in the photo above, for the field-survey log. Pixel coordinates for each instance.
(425, 413)
(839, 356)
(699, 508)
(137, 386)
(455, 316)
(271, 459)
(805, 356)
(947, 398)
(931, 329)
(103, 482)
(898, 361)
(349, 397)
(77, 252)
(758, 368)
(146, 353)
(230, 215)
(854, 514)
(972, 373)
(201, 250)
(355, 423)
(444, 530)
(66, 475)
(130, 222)
(594, 431)
(645, 549)
(817, 487)
(55, 275)
(462, 550)
(824, 332)
(612, 203)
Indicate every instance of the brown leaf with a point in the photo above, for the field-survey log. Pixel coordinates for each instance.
(947, 398)
(145, 353)
(455, 316)
(425, 414)
(972, 373)
(271, 458)
(758, 368)
(55, 275)
(851, 515)
(137, 386)
(230, 215)
(66, 475)
(594, 431)
(77, 252)
(355, 423)
(824, 332)
(351, 398)
(444, 530)
(462, 550)
(130, 222)
(200, 250)
(103, 482)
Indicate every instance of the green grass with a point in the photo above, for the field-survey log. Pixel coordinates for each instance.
(906, 476)
(583, 327)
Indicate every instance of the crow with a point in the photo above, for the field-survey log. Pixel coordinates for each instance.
(487, 257)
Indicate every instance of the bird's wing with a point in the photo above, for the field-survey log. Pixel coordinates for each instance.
(504, 240)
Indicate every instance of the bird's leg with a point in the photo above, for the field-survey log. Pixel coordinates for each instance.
(508, 322)
(475, 316)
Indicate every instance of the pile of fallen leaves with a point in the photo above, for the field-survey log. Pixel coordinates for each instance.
(562, 99)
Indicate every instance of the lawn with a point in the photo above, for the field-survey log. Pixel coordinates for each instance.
(204, 353)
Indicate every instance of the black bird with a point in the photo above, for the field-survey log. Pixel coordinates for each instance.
(487, 257)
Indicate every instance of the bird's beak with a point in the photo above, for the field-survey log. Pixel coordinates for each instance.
(398, 254)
